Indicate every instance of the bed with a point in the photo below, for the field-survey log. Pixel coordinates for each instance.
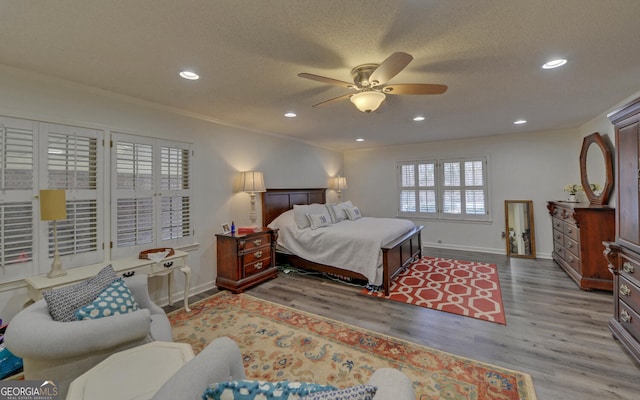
(396, 252)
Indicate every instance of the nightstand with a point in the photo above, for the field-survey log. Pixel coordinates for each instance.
(245, 260)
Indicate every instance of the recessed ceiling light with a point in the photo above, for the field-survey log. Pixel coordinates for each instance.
(189, 75)
(554, 63)
(290, 115)
(418, 118)
(359, 139)
(520, 122)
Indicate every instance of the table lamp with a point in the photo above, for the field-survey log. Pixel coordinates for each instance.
(252, 182)
(53, 207)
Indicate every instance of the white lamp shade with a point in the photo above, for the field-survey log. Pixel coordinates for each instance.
(53, 205)
(339, 183)
(368, 101)
(252, 181)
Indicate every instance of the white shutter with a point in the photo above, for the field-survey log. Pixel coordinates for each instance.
(17, 176)
(74, 163)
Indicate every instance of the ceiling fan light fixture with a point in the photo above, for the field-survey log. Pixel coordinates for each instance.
(368, 101)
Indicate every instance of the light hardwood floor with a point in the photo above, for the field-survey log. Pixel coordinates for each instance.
(555, 332)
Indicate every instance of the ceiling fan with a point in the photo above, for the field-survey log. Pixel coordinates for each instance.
(370, 83)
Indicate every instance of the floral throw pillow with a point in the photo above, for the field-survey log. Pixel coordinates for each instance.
(360, 392)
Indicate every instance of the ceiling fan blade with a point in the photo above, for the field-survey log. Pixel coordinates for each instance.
(390, 68)
(414, 88)
(334, 100)
(324, 79)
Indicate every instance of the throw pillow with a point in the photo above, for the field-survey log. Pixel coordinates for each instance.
(115, 299)
(319, 220)
(360, 392)
(300, 212)
(353, 213)
(248, 390)
(64, 302)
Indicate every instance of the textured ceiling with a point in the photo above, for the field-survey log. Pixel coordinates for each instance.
(249, 52)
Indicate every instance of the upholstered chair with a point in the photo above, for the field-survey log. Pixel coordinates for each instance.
(62, 351)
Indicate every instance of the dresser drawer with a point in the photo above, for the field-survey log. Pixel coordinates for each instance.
(629, 319)
(257, 266)
(256, 254)
(572, 260)
(572, 231)
(630, 269)
(629, 293)
(254, 242)
(127, 273)
(572, 246)
(558, 224)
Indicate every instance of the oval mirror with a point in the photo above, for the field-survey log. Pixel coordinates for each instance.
(520, 234)
(596, 169)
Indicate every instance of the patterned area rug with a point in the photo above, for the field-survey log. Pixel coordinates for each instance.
(282, 343)
(465, 288)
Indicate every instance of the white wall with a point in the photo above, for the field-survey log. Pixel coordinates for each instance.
(220, 153)
(531, 166)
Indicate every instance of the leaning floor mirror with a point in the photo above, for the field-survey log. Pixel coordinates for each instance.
(520, 234)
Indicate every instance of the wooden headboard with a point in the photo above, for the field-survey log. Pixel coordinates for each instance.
(277, 201)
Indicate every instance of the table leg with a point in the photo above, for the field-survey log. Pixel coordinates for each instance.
(187, 283)
(170, 287)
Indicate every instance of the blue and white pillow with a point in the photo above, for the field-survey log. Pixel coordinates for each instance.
(319, 220)
(360, 392)
(63, 302)
(115, 299)
(353, 213)
(249, 390)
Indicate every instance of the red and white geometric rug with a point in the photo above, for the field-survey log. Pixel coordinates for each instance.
(465, 288)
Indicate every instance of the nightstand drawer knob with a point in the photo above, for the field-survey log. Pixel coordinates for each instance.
(259, 265)
(257, 242)
(128, 274)
(168, 264)
(624, 290)
(258, 254)
(627, 267)
(624, 316)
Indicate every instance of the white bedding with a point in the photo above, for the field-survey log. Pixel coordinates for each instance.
(351, 245)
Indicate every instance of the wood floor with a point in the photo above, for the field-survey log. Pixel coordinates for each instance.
(555, 332)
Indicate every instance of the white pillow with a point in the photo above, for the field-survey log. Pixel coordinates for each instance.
(300, 213)
(319, 220)
(338, 211)
(284, 221)
(353, 213)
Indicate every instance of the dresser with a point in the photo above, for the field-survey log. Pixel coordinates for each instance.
(245, 260)
(623, 255)
(578, 232)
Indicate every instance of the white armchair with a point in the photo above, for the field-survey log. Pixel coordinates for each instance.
(61, 351)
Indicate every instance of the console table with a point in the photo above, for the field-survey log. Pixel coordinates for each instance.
(126, 267)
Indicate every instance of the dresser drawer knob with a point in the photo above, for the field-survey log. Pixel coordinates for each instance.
(570, 245)
(624, 316)
(257, 242)
(627, 267)
(258, 254)
(259, 265)
(168, 264)
(570, 230)
(624, 290)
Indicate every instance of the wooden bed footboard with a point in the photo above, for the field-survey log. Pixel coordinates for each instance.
(396, 255)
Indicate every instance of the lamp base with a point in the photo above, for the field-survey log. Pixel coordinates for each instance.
(56, 268)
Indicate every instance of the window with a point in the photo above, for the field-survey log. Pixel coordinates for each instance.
(152, 193)
(444, 189)
(34, 156)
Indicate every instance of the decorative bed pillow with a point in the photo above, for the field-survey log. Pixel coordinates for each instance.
(64, 302)
(319, 220)
(360, 392)
(249, 390)
(285, 220)
(115, 299)
(353, 213)
(338, 211)
(300, 213)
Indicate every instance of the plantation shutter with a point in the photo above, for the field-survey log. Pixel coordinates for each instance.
(74, 158)
(152, 193)
(17, 169)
